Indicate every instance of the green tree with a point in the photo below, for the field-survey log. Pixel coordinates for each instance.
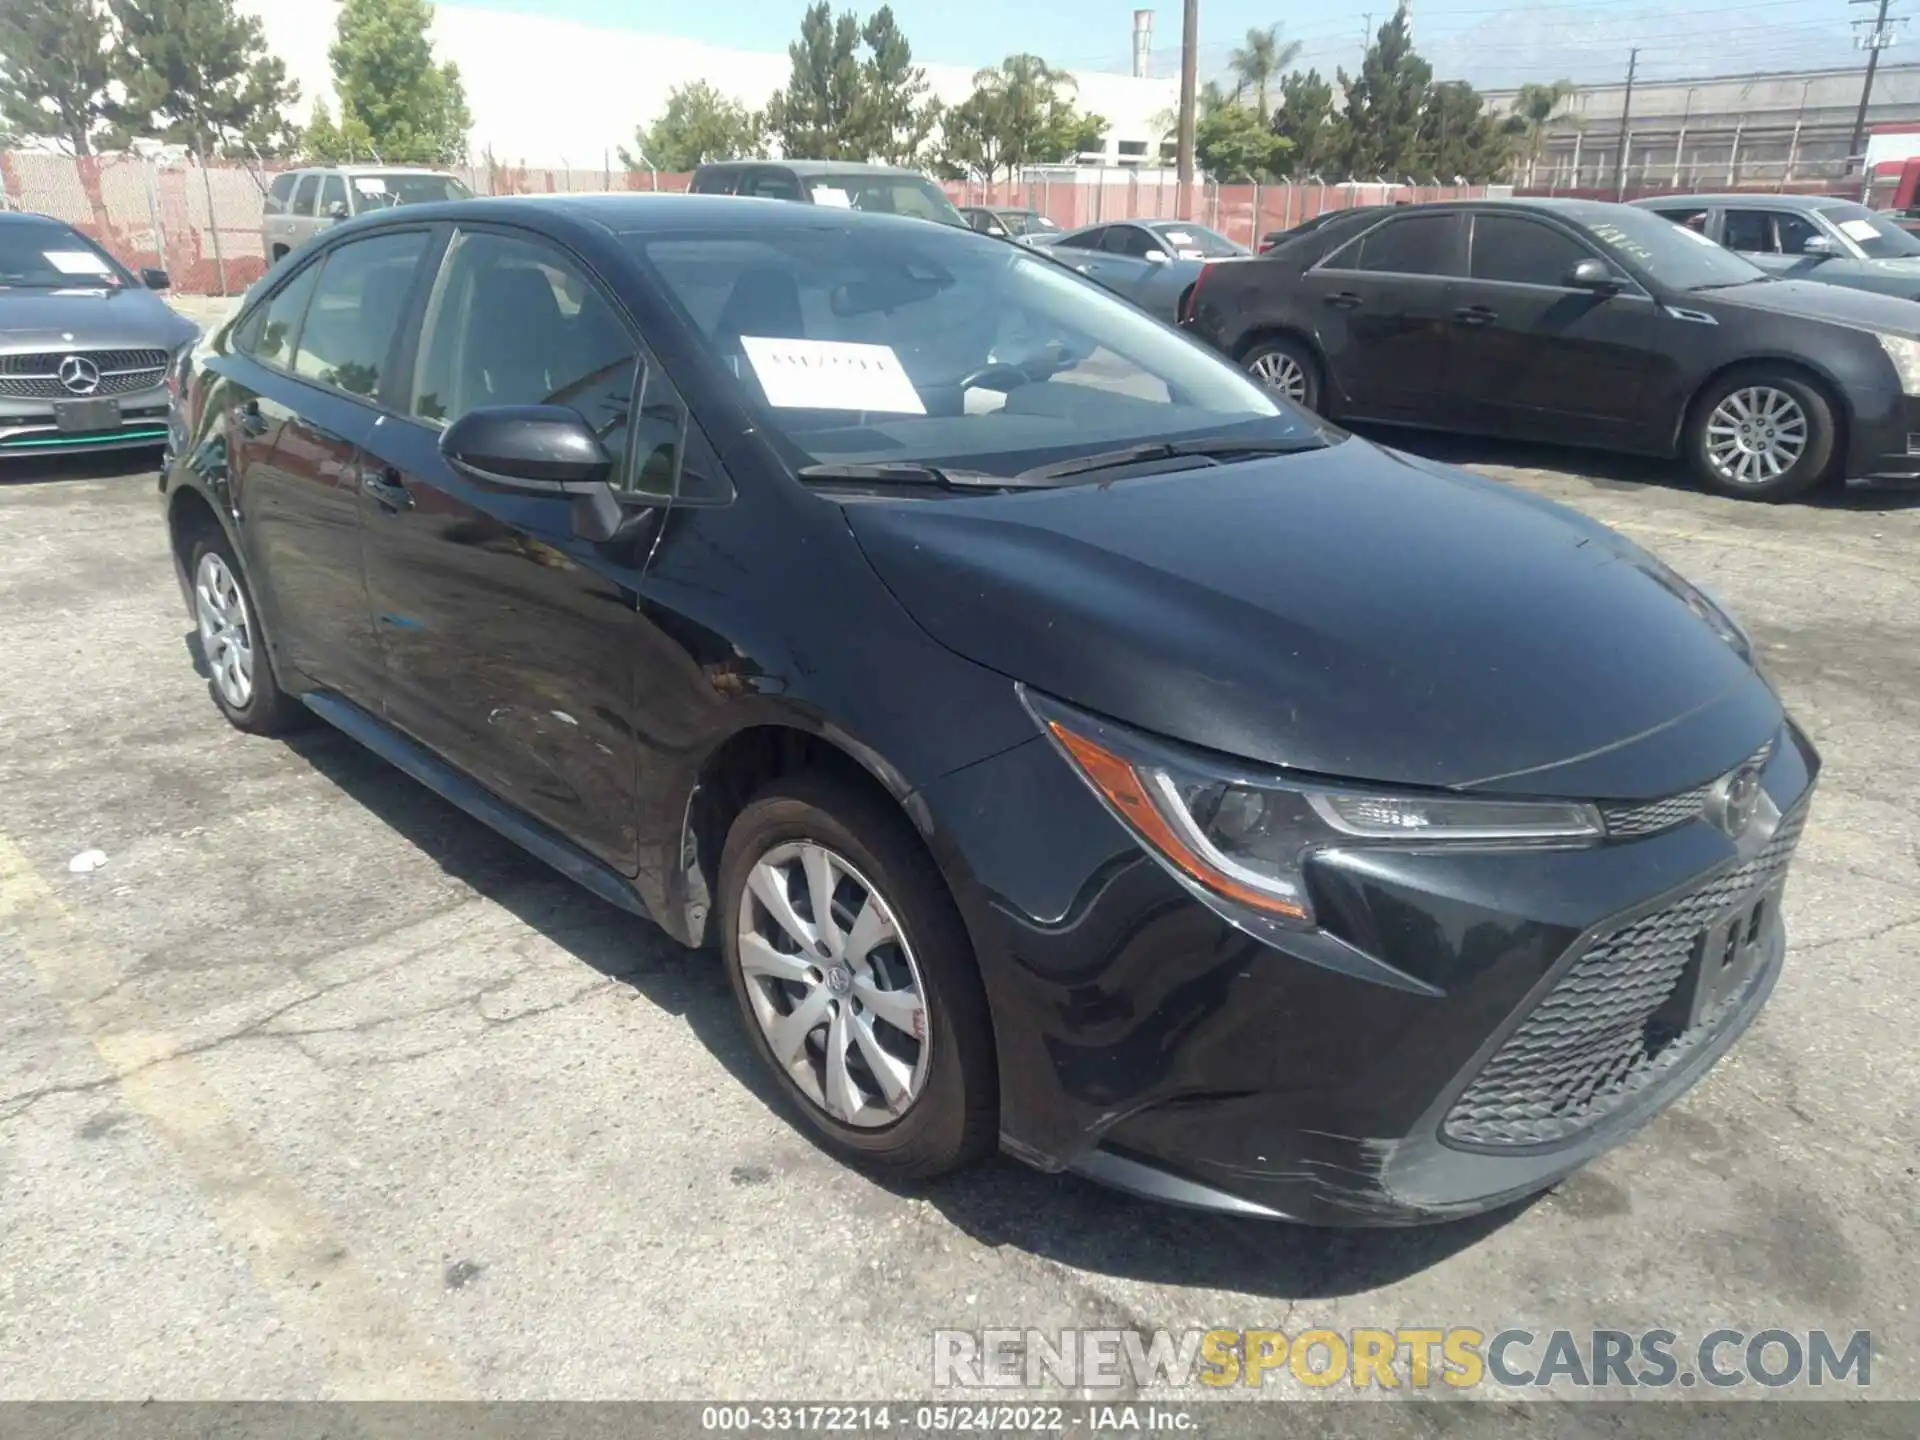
(392, 92)
(1233, 145)
(1315, 135)
(1027, 107)
(969, 140)
(324, 140)
(1259, 62)
(54, 72)
(197, 73)
(1459, 138)
(1384, 103)
(813, 116)
(699, 124)
(1533, 108)
(894, 115)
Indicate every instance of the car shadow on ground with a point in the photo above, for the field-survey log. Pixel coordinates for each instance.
(26, 469)
(1001, 1202)
(1606, 471)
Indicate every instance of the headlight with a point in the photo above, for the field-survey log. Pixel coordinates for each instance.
(1905, 355)
(1245, 836)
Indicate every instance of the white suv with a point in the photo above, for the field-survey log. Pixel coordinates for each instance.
(302, 203)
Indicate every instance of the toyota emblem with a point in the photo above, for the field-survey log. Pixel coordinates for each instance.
(79, 374)
(1734, 799)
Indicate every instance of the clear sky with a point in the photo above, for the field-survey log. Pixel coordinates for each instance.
(1480, 40)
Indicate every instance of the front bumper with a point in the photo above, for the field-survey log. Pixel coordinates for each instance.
(1883, 441)
(1465, 1029)
(29, 427)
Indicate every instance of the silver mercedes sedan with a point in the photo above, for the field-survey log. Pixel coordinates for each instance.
(85, 346)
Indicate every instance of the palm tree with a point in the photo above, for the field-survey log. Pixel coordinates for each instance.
(1259, 62)
(1534, 107)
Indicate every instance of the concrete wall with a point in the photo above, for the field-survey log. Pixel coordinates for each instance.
(549, 92)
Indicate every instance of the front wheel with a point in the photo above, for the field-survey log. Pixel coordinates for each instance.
(1288, 366)
(233, 646)
(1761, 435)
(855, 978)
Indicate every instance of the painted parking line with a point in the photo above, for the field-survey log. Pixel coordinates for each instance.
(368, 1345)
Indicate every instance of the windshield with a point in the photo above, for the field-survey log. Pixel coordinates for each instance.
(52, 257)
(910, 195)
(1024, 222)
(1878, 237)
(1196, 242)
(383, 192)
(898, 345)
(1672, 255)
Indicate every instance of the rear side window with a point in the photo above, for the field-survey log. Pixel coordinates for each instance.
(1410, 245)
(1085, 240)
(280, 192)
(269, 333)
(1694, 217)
(333, 191)
(356, 309)
(771, 185)
(308, 192)
(1522, 252)
(713, 182)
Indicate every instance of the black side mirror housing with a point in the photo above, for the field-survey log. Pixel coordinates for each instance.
(1591, 274)
(528, 449)
(156, 279)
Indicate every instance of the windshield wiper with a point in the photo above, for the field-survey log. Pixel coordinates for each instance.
(914, 473)
(1216, 450)
(1730, 284)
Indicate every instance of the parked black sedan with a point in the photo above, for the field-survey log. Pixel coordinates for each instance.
(1068, 746)
(1585, 323)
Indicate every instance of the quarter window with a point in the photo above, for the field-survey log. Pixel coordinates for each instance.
(1522, 252)
(356, 309)
(1792, 232)
(1410, 245)
(515, 322)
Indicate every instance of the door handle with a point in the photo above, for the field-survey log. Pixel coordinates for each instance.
(1475, 315)
(252, 422)
(1344, 300)
(385, 487)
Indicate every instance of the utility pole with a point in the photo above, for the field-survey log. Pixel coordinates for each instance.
(1873, 42)
(1626, 114)
(1189, 87)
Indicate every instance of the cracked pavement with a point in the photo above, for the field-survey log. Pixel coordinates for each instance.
(320, 1089)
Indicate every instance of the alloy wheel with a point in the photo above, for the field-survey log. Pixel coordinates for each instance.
(1283, 373)
(834, 985)
(1755, 435)
(226, 629)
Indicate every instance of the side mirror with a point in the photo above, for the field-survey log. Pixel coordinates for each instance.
(1819, 247)
(528, 449)
(1157, 257)
(337, 210)
(156, 279)
(1593, 275)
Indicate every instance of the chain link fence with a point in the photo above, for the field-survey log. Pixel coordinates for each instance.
(202, 223)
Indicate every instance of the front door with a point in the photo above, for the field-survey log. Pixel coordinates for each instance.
(510, 642)
(1381, 307)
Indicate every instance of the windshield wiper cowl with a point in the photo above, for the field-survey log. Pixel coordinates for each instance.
(1219, 450)
(915, 473)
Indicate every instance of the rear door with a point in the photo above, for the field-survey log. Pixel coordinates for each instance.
(319, 353)
(510, 643)
(1539, 357)
(1382, 308)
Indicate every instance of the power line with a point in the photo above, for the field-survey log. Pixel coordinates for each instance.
(1873, 42)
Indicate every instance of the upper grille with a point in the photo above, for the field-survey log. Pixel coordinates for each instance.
(1589, 1046)
(37, 377)
(1650, 816)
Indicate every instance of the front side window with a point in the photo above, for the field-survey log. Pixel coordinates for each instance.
(304, 197)
(771, 185)
(513, 321)
(910, 195)
(1750, 231)
(268, 334)
(1130, 240)
(1522, 252)
(923, 344)
(1410, 245)
(355, 311)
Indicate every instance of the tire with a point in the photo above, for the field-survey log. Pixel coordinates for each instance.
(939, 1057)
(233, 644)
(1748, 423)
(1287, 365)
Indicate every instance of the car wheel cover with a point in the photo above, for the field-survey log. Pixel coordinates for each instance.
(226, 629)
(1284, 373)
(1755, 435)
(840, 1003)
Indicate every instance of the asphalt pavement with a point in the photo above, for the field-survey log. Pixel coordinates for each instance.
(316, 1088)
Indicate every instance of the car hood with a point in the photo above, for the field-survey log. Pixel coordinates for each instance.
(129, 317)
(1817, 300)
(1349, 612)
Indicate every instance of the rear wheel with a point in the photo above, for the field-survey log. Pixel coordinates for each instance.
(1761, 435)
(1288, 366)
(855, 978)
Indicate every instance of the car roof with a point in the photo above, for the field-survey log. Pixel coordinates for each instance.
(373, 170)
(1782, 202)
(817, 167)
(625, 212)
(32, 217)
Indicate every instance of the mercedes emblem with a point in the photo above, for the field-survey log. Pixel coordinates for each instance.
(79, 374)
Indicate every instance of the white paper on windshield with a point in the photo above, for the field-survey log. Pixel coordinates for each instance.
(78, 262)
(1859, 230)
(1179, 237)
(369, 184)
(1191, 254)
(831, 375)
(831, 195)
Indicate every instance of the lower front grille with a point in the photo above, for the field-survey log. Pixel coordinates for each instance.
(1600, 1035)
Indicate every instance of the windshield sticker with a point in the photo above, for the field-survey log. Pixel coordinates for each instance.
(1859, 230)
(78, 262)
(832, 195)
(1619, 239)
(1179, 237)
(369, 184)
(831, 375)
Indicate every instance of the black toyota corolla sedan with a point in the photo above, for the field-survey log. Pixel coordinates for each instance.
(1067, 745)
(1581, 323)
